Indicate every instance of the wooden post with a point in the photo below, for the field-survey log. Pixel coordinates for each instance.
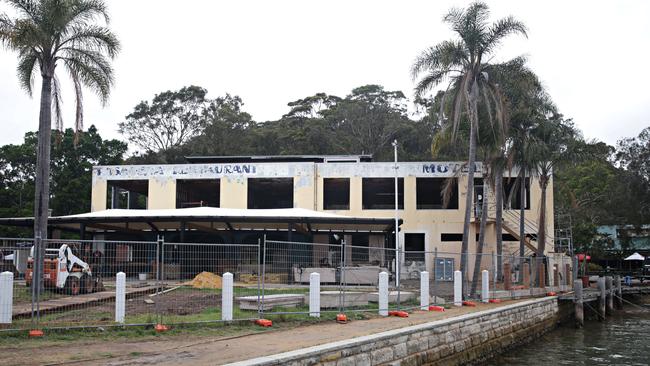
(577, 300)
(507, 277)
(556, 276)
(602, 289)
(619, 292)
(610, 294)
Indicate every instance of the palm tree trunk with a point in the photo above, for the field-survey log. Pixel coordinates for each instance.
(481, 240)
(473, 100)
(541, 230)
(522, 219)
(42, 192)
(498, 179)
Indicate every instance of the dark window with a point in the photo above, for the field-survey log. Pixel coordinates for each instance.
(336, 193)
(512, 199)
(127, 194)
(270, 192)
(414, 243)
(451, 237)
(508, 237)
(429, 193)
(379, 193)
(197, 193)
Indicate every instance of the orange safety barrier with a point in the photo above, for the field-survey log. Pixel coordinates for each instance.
(436, 308)
(494, 301)
(341, 318)
(551, 293)
(35, 333)
(264, 322)
(469, 303)
(399, 313)
(161, 328)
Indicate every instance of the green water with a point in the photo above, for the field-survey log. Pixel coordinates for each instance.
(623, 339)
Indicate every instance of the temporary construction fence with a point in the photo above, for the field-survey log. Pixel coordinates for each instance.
(103, 283)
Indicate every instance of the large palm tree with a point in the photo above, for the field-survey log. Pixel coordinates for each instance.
(51, 35)
(553, 144)
(463, 63)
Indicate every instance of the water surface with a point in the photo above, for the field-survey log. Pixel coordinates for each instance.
(623, 339)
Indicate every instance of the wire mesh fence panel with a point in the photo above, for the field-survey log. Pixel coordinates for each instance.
(79, 282)
(15, 295)
(360, 277)
(287, 268)
(206, 282)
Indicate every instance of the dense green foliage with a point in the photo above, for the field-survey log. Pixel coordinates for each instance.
(71, 172)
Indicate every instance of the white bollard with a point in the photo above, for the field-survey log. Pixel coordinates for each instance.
(424, 290)
(485, 286)
(6, 297)
(314, 295)
(383, 294)
(226, 297)
(120, 297)
(458, 288)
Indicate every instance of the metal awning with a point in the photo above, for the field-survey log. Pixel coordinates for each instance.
(210, 219)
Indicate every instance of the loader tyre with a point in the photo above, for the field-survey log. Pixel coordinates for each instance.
(87, 284)
(73, 286)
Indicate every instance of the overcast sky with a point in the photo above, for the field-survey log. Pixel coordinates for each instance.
(591, 55)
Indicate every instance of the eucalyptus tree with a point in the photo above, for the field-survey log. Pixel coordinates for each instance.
(58, 33)
(462, 63)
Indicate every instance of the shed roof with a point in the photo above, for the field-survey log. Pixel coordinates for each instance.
(210, 219)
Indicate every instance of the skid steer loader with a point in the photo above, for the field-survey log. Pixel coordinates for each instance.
(64, 271)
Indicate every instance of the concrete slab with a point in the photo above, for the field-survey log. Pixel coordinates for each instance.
(330, 299)
(286, 300)
(392, 296)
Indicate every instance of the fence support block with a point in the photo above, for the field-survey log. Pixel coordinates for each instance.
(6, 297)
(424, 290)
(314, 295)
(226, 297)
(383, 294)
(120, 297)
(458, 288)
(485, 286)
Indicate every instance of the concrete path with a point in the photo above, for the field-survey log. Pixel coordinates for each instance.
(213, 351)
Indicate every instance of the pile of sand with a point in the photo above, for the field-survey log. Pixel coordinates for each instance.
(206, 280)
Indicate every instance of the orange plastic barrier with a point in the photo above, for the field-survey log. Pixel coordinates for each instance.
(469, 303)
(436, 308)
(400, 314)
(35, 333)
(341, 318)
(264, 322)
(161, 328)
(494, 301)
(551, 293)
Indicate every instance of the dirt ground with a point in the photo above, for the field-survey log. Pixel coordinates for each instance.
(207, 349)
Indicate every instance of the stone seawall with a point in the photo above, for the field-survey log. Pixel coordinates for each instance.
(460, 340)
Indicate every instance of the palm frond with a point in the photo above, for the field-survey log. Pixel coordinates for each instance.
(57, 101)
(501, 29)
(30, 8)
(95, 38)
(78, 124)
(28, 62)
